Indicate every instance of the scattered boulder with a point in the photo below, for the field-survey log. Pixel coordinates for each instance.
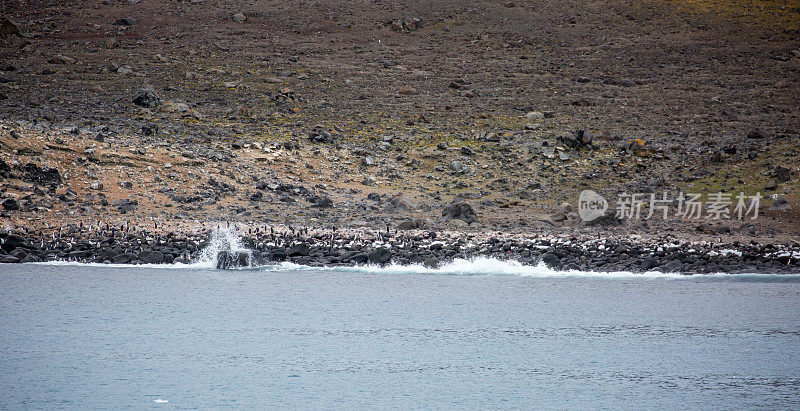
(368, 161)
(410, 24)
(782, 173)
(551, 260)
(10, 204)
(368, 181)
(123, 258)
(431, 262)
(380, 256)
(61, 59)
(534, 115)
(147, 98)
(228, 260)
(756, 133)
(151, 257)
(320, 135)
(411, 225)
(321, 202)
(408, 91)
(460, 211)
(608, 219)
(5, 169)
(780, 204)
(8, 259)
(299, 250)
(32, 173)
(125, 205)
(576, 139)
(125, 21)
(9, 27)
(239, 17)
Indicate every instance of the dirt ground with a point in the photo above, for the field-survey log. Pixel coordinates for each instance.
(258, 111)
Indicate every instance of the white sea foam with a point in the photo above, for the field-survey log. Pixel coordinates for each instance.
(223, 239)
(460, 267)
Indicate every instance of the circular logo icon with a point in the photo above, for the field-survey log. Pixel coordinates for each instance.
(591, 205)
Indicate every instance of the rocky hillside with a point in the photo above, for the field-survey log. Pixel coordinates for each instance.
(384, 113)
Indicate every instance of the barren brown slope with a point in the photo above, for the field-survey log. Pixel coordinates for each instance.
(690, 79)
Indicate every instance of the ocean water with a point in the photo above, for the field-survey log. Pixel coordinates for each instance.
(480, 334)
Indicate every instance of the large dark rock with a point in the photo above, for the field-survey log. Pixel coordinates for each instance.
(380, 256)
(431, 262)
(14, 241)
(320, 135)
(608, 219)
(5, 169)
(125, 21)
(10, 204)
(780, 204)
(123, 258)
(32, 173)
(551, 260)
(147, 98)
(125, 205)
(8, 259)
(9, 27)
(228, 259)
(151, 257)
(782, 173)
(299, 250)
(31, 258)
(321, 201)
(460, 211)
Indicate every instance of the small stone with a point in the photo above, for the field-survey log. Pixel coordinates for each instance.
(61, 59)
(126, 21)
(534, 115)
(781, 204)
(368, 161)
(9, 27)
(782, 173)
(239, 17)
(368, 181)
(408, 91)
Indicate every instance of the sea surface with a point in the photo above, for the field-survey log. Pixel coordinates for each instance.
(479, 334)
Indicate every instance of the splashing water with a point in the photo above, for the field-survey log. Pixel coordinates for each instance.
(223, 239)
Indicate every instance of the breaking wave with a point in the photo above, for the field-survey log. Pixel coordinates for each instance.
(461, 267)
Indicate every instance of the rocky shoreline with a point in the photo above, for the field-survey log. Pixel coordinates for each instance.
(316, 247)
